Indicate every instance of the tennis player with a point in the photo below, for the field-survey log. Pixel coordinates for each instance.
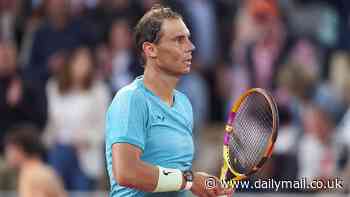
(149, 147)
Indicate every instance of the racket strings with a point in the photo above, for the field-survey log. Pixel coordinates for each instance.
(255, 139)
(252, 129)
(254, 116)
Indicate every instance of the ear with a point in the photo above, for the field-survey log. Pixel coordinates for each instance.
(149, 49)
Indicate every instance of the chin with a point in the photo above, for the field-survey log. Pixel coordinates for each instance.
(188, 69)
(185, 71)
(182, 71)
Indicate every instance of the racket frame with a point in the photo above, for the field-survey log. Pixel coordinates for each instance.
(229, 129)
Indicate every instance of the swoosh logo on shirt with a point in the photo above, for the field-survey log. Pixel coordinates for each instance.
(166, 173)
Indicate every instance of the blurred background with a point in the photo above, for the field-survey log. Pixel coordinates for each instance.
(61, 62)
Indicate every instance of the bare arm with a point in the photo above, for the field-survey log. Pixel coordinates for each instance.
(130, 171)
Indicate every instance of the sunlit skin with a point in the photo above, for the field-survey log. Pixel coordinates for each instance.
(81, 66)
(168, 59)
(35, 178)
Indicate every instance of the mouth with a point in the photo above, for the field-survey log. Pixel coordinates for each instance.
(188, 61)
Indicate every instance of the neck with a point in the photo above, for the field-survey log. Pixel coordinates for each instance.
(30, 162)
(59, 22)
(77, 84)
(160, 83)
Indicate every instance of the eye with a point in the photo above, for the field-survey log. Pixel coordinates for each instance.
(180, 39)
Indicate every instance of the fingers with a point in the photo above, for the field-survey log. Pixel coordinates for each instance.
(221, 190)
(203, 195)
(225, 192)
(206, 185)
(215, 187)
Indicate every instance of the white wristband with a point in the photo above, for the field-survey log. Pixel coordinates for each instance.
(168, 180)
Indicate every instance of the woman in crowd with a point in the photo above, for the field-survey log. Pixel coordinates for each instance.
(77, 102)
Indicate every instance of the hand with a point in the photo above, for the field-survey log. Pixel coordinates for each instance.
(202, 188)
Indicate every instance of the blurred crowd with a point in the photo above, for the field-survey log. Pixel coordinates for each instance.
(61, 62)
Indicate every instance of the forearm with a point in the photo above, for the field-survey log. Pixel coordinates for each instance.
(132, 172)
(138, 175)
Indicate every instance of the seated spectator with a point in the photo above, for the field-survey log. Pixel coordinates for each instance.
(77, 102)
(19, 98)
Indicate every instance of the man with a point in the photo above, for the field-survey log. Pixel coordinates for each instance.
(149, 145)
(23, 151)
(19, 97)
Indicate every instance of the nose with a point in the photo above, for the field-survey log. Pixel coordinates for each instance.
(191, 46)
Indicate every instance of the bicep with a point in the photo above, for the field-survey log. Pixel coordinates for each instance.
(130, 171)
(124, 156)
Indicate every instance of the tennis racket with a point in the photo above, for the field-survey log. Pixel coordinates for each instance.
(250, 134)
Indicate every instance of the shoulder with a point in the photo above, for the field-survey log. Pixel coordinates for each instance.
(183, 99)
(52, 87)
(132, 94)
(38, 174)
(131, 91)
(100, 88)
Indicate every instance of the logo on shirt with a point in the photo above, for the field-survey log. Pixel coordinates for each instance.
(166, 173)
(160, 117)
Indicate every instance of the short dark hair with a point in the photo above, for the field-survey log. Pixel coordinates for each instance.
(28, 138)
(149, 26)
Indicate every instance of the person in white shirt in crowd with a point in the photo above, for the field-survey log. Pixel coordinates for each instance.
(77, 102)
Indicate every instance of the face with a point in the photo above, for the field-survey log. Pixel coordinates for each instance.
(173, 52)
(57, 8)
(13, 155)
(316, 122)
(120, 35)
(7, 59)
(81, 65)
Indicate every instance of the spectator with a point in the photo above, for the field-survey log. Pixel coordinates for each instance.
(306, 52)
(317, 153)
(52, 40)
(23, 151)
(77, 103)
(19, 98)
(106, 11)
(117, 58)
(259, 46)
(8, 12)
